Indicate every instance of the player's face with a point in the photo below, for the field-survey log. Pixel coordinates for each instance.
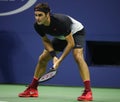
(41, 17)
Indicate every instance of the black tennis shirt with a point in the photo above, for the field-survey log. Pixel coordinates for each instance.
(60, 25)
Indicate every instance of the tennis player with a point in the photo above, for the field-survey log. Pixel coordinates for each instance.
(68, 35)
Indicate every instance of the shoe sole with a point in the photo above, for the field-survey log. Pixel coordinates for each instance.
(29, 96)
(85, 99)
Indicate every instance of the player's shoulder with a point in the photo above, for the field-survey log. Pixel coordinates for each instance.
(36, 25)
(61, 17)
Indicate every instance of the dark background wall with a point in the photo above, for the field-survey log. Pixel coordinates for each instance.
(20, 45)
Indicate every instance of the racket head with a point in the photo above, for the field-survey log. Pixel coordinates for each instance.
(48, 75)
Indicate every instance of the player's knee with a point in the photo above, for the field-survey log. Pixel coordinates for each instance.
(78, 58)
(43, 59)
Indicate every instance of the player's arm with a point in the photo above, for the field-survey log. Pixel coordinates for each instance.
(70, 45)
(47, 43)
(48, 46)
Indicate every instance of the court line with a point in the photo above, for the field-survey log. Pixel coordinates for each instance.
(3, 101)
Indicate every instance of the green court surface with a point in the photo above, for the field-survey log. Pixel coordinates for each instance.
(9, 93)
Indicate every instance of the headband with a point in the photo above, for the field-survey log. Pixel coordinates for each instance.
(45, 10)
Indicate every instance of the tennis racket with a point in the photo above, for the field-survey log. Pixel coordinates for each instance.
(47, 76)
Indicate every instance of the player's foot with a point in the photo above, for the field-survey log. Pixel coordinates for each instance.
(86, 96)
(29, 92)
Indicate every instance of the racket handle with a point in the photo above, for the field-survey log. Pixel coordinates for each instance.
(52, 68)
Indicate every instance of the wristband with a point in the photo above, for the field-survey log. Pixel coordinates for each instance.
(53, 53)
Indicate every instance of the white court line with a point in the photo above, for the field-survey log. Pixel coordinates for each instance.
(3, 101)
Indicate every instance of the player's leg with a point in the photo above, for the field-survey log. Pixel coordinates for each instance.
(83, 68)
(85, 75)
(42, 63)
(40, 69)
(79, 39)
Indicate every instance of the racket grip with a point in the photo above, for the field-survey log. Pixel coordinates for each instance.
(52, 68)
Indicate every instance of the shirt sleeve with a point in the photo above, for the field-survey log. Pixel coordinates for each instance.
(67, 26)
(39, 30)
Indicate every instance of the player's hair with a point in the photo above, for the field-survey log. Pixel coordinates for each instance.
(43, 7)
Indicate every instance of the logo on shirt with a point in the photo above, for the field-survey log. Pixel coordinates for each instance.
(14, 3)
